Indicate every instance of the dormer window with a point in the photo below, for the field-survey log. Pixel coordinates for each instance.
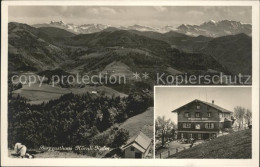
(187, 115)
(209, 114)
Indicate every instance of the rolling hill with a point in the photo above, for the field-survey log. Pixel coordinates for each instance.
(28, 47)
(50, 48)
(234, 52)
(141, 122)
(55, 32)
(178, 40)
(144, 51)
(237, 145)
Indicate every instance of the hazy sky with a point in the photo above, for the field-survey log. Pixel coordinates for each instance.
(152, 16)
(170, 98)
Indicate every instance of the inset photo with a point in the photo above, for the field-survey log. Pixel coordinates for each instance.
(203, 122)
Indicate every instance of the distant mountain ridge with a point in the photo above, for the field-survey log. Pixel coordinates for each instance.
(216, 29)
(209, 29)
(50, 48)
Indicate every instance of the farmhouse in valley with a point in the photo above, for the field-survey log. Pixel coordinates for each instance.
(202, 120)
(137, 147)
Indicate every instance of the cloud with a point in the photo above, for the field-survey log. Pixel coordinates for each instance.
(160, 8)
(100, 11)
(107, 10)
(126, 15)
(195, 13)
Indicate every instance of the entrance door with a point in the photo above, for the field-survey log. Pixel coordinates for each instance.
(206, 136)
(138, 155)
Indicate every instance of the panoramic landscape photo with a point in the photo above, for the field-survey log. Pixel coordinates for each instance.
(81, 78)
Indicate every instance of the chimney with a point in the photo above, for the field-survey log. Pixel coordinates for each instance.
(212, 101)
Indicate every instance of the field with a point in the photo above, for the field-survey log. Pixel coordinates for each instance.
(142, 122)
(37, 95)
(237, 145)
(118, 69)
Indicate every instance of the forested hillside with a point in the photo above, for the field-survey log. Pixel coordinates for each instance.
(72, 119)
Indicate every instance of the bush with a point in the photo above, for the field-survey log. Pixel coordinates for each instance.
(228, 130)
(120, 138)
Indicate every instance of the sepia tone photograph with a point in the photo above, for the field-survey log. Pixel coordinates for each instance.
(203, 122)
(81, 78)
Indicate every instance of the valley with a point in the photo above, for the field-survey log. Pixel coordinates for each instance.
(137, 51)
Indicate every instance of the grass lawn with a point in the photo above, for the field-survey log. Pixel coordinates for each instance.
(237, 145)
(171, 145)
(46, 92)
(141, 122)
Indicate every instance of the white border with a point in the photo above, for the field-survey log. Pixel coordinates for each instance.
(6, 161)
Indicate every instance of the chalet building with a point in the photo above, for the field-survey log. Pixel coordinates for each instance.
(137, 147)
(202, 120)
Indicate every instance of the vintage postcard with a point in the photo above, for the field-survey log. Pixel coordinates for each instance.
(141, 83)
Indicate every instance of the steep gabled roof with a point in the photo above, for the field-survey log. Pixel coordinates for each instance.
(139, 141)
(208, 104)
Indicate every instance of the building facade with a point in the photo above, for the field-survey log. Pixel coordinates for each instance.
(137, 147)
(202, 120)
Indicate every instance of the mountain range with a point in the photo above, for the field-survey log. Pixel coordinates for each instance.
(209, 29)
(216, 29)
(120, 51)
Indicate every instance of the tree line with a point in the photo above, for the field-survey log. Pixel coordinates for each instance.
(73, 119)
(243, 116)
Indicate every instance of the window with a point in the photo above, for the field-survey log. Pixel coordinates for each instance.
(187, 114)
(226, 115)
(132, 148)
(198, 107)
(199, 136)
(197, 114)
(197, 126)
(209, 125)
(209, 114)
(186, 125)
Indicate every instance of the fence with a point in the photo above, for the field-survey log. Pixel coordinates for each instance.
(171, 151)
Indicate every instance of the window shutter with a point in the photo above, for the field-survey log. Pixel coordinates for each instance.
(206, 125)
(212, 125)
